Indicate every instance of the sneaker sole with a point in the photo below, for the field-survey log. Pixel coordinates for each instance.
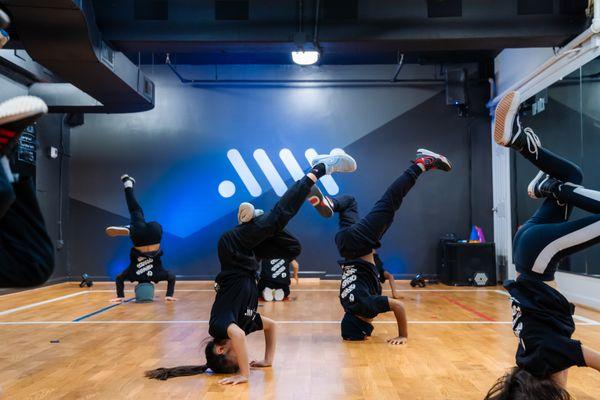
(279, 295)
(20, 108)
(317, 200)
(504, 117)
(267, 298)
(4, 20)
(436, 155)
(533, 183)
(114, 231)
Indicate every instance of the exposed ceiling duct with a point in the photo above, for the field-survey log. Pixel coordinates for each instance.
(62, 36)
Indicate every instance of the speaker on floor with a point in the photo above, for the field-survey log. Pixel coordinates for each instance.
(469, 264)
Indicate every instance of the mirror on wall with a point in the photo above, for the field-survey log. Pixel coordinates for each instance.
(566, 117)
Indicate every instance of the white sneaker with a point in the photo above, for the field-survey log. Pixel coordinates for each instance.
(279, 295)
(267, 294)
(335, 163)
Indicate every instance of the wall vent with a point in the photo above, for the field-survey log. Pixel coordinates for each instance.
(444, 8)
(335, 10)
(535, 7)
(230, 10)
(151, 10)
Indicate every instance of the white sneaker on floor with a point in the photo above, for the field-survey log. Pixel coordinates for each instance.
(279, 295)
(267, 294)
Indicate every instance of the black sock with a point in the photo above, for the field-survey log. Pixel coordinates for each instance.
(318, 170)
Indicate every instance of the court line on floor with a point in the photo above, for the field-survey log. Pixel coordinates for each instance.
(100, 311)
(469, 309)
(40, 303)
(317, 322)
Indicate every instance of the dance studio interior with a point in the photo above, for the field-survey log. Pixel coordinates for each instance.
(300, 199)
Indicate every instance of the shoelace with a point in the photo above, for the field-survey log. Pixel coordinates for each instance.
(533, 141)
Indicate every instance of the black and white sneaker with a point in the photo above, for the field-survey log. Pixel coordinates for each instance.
(127, 180)
(335, 162)
(504, 117)
(431, 160)
(320, 202)
(542, 186)
(114, 231)
(15, 115)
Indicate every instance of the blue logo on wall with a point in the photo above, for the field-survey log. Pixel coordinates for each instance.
(227, 188)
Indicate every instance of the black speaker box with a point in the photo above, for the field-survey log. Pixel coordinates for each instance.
(462, 261)
(456, 87)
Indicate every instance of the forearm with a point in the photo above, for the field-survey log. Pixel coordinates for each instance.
(120, 284)
(592, 358)
(296, 268)
(270, 329)
(238, 341)
(400, 314)
(171, 285)
(392, 282)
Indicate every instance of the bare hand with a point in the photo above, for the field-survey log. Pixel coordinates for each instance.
(117, 300)
(233, 380)
(260, 364)
(397, 340)
(170, 298)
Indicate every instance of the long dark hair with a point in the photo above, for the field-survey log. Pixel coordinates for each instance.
(218, 363)
(519, 384)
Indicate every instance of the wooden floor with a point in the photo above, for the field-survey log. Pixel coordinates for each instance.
(460, 342)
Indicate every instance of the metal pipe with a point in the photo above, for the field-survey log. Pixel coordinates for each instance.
(596, 21)
(399, 68)
(296, 81)
(316, 35)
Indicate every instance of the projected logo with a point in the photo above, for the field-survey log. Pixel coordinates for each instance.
(228, 189)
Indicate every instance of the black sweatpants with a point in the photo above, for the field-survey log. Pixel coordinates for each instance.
(142, 233)
(264, 237)
(26, 251)
(158, 276)
(357, 238)
(548, 235)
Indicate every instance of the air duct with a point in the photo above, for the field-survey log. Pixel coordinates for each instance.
(62, 36)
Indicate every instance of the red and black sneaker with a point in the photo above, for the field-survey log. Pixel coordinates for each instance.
(15, 115)
(320, 202)
(431, 160)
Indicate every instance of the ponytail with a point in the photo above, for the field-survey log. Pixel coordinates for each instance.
(165, 373)
(217, 363)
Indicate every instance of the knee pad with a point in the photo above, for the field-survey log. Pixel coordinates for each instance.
(144, 292)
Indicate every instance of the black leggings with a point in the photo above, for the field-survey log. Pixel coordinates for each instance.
(264, 237)
(356, 237)
(142, 233)
(26, 251)
(548, 236)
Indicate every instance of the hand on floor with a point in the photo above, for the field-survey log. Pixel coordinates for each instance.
(171, 298)
(397, 340)
(117, 300)
(260, 364)
(233, 380)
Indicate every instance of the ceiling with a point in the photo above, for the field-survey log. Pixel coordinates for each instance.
(348, 31)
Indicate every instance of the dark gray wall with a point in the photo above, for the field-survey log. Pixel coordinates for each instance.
(52, 184)
(177, 153)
